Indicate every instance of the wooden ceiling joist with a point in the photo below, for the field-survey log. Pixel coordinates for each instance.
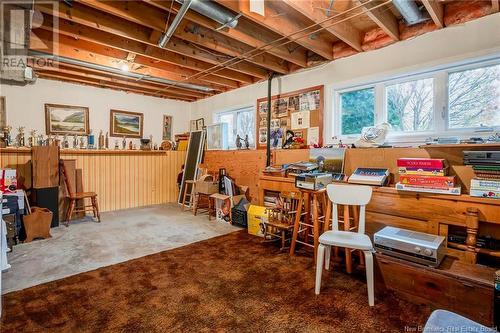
(251, 34)
(104, 84)
(383, 17)
(343, 30)
(100, 55)
(110, 79)
(142, 13)
(436, 11)
(109, 28)
(281, 24)
(495, 6)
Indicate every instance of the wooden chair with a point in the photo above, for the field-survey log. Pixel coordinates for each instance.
(281, 220)
(347, 195)
(74, 196)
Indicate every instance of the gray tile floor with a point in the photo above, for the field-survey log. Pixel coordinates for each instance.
(121, 236)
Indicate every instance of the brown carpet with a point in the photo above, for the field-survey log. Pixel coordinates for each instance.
(232, 283)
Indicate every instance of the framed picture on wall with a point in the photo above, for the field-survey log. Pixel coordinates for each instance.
(167, 127)
(66, 119)
(3, 112)
(127, 124)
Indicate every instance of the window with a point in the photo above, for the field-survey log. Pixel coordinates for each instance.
(474, 98)
(357, 110)
(240, 122)
(453, 100)
(410, 105)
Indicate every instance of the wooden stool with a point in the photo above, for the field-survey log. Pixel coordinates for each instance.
(350, 218)
(306, 199)
(201, 201)
(187, 195)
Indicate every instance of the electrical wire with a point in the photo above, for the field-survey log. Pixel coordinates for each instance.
(287, 40)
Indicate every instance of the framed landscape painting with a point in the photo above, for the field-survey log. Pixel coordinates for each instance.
(127, 124)
(66, 119)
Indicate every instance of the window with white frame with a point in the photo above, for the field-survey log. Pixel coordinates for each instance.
(456, 100)
(240, 122)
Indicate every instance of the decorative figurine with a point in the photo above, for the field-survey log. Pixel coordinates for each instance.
(56, 141)
(130, 145)
(247, 143)
(82, 142)
(100, 140)
(116, 145)
(20, 137)
(238, 141)
(106, 141)
(124, 143)
(75, 141)
(40, 140)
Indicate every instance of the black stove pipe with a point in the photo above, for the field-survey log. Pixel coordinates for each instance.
(268, 146)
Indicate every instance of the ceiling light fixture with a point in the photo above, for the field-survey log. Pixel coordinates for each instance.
(124, 67)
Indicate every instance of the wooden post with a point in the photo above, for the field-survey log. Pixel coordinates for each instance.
(472, 227)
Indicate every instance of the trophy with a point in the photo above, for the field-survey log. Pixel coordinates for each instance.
(6, 135)
(39, 140)
(116, 145)
(20, 137)
(75, 141)
(65, 143)
(106, 141)
(82, 142)
(32, 139)
(101, 140)
(124, 143)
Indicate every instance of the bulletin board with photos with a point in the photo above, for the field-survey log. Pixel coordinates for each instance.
(300, 111)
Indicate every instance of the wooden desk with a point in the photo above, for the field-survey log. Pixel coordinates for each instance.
(425, 212)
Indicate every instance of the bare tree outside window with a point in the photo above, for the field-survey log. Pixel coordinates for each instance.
(474, 97)
(246, 125)
(410, 105)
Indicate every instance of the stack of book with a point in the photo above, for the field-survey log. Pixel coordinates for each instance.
(428, 175)
(486, 166)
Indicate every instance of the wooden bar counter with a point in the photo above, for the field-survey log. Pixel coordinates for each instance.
(121, 178)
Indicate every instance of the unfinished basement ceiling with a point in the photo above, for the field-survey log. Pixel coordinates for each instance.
(202, 59)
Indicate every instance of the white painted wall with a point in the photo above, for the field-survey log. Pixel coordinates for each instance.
(477, 38)
(25, 107)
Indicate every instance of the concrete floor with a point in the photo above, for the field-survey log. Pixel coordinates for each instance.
(122, 235)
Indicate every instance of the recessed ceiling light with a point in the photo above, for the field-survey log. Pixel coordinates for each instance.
(124, 67)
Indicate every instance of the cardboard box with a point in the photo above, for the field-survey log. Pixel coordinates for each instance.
(256, 215)
(206, 187)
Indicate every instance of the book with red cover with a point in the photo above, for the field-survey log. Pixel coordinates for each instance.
(424, 163)
(428, 181)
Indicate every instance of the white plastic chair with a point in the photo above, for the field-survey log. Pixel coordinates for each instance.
(353, 195)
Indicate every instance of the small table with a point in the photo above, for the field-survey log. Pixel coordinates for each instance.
(306, 199)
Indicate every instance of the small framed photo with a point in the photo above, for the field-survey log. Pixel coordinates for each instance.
(127, 124)
(200, 123)
(66, 119)
(167, 127)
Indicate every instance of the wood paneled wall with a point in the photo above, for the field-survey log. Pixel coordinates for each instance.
(120, 179)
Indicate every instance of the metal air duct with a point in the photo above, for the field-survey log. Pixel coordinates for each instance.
(214, 11)
(175, 23)
(108, 69)
(410, 11)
